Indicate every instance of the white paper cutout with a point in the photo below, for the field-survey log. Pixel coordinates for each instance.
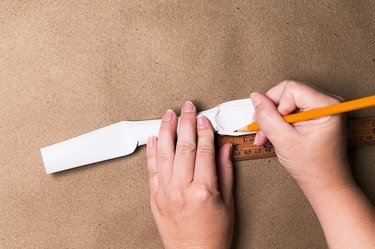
(122, 138)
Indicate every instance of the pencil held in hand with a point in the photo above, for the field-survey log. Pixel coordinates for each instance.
(319, 112)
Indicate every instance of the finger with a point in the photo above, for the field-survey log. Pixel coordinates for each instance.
(260, 139)
(205, 168)
(183, 167)
(152, 165)
(225, 173)
(270, 121)
(165, 146)
(290, 95)
(275, 92)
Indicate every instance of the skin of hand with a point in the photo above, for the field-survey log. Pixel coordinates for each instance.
(190, 188)
(314, 154)
(314, 151)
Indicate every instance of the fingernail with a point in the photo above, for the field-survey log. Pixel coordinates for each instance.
(201, 122)
(256, 138)
(255, 99)
(231, 149)
(188, 106)
(168, 115)
(150, 142)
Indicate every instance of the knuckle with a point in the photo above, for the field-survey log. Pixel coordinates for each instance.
(291, 84)
(176, 198)
(203, 193)
(287, 82)
(261, 113)
(205, 151)
(163, 157)
(152, 173)
(185, 147)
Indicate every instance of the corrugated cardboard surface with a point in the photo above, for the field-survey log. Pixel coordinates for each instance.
(69, 67)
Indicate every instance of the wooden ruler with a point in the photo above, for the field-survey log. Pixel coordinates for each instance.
(360, 132)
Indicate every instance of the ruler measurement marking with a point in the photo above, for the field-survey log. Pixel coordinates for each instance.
(360, 132)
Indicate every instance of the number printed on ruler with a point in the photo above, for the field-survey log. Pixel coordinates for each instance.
(360, 132)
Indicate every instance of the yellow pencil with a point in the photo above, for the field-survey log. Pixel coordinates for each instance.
(320, 112)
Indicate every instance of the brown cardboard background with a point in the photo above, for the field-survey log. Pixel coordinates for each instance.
(69, 67)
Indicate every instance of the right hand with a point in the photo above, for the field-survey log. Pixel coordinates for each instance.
(313, 152)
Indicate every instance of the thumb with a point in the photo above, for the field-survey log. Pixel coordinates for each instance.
(271, 123)
(225, 173)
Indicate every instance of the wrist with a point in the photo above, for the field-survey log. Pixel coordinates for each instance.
(334, 178)
(318, 194)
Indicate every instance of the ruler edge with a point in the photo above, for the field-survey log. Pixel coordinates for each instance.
(273, 154)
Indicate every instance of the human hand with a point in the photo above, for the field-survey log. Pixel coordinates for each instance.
(190, 192)
(313, 152)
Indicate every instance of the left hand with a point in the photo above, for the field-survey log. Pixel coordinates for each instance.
(190, 192)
